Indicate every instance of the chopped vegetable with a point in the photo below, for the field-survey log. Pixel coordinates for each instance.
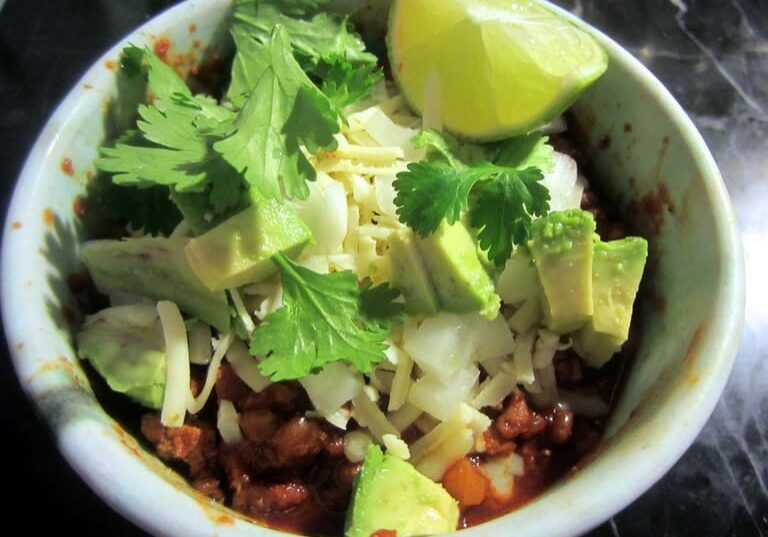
(324, 318)
(177, 369)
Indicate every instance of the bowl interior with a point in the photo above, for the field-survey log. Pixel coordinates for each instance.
(647, 157)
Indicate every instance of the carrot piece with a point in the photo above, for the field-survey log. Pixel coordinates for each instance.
(465, 483)
(384, 533)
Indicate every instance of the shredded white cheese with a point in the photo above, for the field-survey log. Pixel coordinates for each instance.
(196, 404)
(177, 365)
(246, 367)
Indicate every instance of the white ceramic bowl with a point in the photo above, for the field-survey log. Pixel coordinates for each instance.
(653, 162)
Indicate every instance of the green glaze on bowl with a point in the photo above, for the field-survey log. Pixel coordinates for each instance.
(647, 156)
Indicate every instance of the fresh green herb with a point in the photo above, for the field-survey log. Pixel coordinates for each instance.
(345, 83)
(173, 144)
(325, 318)
(316, 37)
(503, 208)
(501, 195)
(284, 110)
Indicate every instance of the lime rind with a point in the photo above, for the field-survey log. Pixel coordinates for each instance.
(577, 77)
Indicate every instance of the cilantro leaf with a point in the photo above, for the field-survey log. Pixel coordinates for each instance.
(344, 83)
(432, 191)
(526, 151)
(503, 208)
(315, 37)
(324, 319)
(284, 110)
(173, 145)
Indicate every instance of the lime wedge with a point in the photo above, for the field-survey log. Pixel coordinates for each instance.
(493, 68)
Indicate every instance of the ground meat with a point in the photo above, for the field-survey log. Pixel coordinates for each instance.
(335, 484)
(209, 486)
(259, 425)
(297, 442)
(495, 444)
(257, 499)
(560, 425)
(193, 444)
(516, 419)
(283, 398)
(568, 368)
(608, 227)
(230, 387)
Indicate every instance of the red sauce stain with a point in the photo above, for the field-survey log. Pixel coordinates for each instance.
(384, 533)
(111, 65)
(605, 143)
(89, 174)
(693, 347)
(49, 217)
(196, 43)
(67, 167)
(223, 519)
(627, 127)
(15, 224)
(126, 439)
(88, 86)
(19, 346)
(80, 206)
(654, 205)
(192, 28)
(162, 46)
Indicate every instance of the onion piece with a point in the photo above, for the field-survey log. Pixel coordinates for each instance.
(401, 384)
(404, 417)
(356, 444)
(177, 374)
(246, 366)
(396, 447)
(196, 404)
(228, 422)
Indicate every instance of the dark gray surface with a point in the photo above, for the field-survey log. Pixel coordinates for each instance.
(713, 55)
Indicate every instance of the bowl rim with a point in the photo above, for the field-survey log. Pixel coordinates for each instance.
(166, 511)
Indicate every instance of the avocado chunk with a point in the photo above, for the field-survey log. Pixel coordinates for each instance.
(125, 345)
(390, 494)
(458, 275)
(616, 273)
(518, 281)
(157, 269)
(238, 250)
(561, 248)
(410, 276)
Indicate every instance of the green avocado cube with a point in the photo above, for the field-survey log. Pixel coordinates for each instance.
(155, 268)
(238, 250)
(410, 276)
(390, 494)
(561, 248)
(459, 277)
(125, 345)
(616, 273)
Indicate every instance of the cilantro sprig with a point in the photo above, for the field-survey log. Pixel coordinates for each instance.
(501, 197)
(324, 318)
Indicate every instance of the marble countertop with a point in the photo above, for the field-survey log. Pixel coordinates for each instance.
(712, 55)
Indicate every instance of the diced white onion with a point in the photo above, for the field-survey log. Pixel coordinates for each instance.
(228, 422)
(441, 345)
(332, 387)
(501, 472)
(246, 366)
(325, 212)
(526, 316)
(196, 404)
(563, 183)
(518, 281)
(200, 345)
(491, 338)
(396, 447)
(356, 444)
(441, 399)
(177, 373)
